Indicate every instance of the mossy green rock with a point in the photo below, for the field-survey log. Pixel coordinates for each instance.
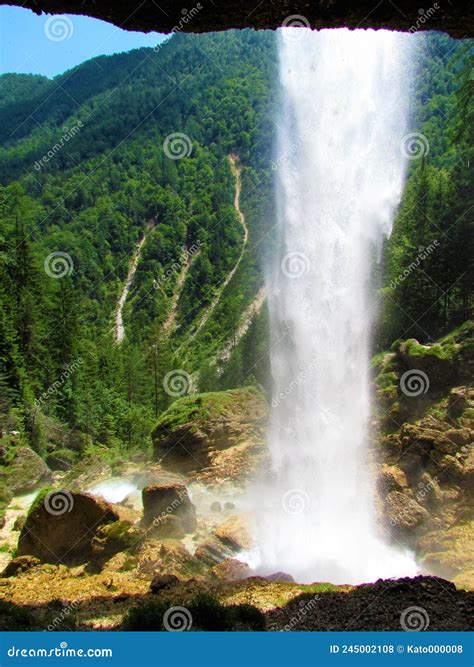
(21, 468)
(196, 427)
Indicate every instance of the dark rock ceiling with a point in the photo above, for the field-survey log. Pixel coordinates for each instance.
(455, 17)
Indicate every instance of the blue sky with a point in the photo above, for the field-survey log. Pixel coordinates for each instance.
(50, 45)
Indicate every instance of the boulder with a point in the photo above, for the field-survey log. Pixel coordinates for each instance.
(61, 525)
(112, 538)
(233, 532)
(20, 564)
(280, 577)
(163, 500)
(231, 569)
(196, 430)
(391, 478)
(25, 470)
(457, 402)
(404, 512)
(161, 582)
(169, 526)
(213, 551)
(167, 557)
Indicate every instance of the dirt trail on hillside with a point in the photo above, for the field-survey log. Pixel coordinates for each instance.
(233, 159)
(119, 328)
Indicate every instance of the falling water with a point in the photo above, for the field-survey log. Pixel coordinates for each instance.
(340, 173)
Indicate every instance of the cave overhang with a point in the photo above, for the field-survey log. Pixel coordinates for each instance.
(455, 17)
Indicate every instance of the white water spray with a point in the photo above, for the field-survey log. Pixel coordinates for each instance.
(340, 177)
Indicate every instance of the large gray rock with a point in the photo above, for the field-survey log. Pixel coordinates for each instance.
(161, 501)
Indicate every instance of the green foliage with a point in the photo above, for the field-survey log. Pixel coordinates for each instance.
(104, 186)
(428, 259)
(99, 180)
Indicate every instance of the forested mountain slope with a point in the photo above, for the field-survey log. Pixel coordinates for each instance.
(141, 142)
(135, 140)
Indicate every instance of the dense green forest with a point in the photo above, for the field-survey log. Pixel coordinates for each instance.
(64, 382)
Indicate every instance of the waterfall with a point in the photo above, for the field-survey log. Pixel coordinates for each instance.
(340, 173)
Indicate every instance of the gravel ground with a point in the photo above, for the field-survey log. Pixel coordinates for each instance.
(422, 603)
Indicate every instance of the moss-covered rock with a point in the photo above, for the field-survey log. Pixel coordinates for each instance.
(223, 431)
(21, 469)
(61, 524)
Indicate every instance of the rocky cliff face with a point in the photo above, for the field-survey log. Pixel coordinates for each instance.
(426, 418)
